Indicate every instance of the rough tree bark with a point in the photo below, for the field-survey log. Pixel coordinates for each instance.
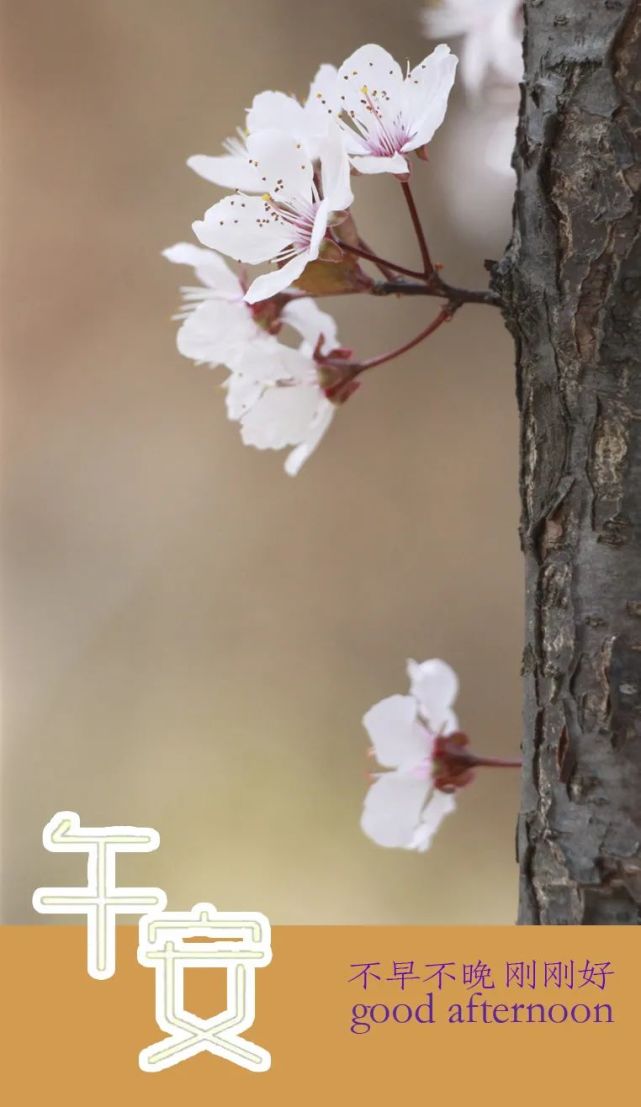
(571, 288)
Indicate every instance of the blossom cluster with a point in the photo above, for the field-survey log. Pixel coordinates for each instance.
(403, 807)
(284, 235)
(289, 173)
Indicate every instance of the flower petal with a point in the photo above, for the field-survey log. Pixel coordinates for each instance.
(321, 219)
(284, 167)
(397, 736)
(281, 417)
(228, 171)
(353, 143)
(372, 67)
(217, 332)
(241, 395)
(245, 228)
(321, 105)
(323, 90)
(392, 809)
(310, 322)
(426, 93)
(318, 428)
(209, 267)
(372, 164)
(272, 362)
(268, 284)
(335, 170)
(276, 111)
(491, 50)
(476, 60)
(441, 804)
(434, 684)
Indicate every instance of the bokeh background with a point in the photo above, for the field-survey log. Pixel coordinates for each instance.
(190, 636)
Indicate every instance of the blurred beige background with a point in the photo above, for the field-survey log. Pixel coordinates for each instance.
(190, 636)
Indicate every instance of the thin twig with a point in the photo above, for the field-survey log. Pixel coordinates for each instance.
(374, 258)
(428, 267)
(382, 266)
(342, 387)
(444, 315)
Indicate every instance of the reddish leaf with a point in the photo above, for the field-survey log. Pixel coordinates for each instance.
(326, 278)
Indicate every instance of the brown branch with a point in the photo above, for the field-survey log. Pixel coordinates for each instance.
(440, 289)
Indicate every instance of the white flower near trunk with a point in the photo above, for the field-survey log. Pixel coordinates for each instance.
(273, 390)
(386, 115)
(288, 223)
(491, 31)
(491, 68)
(308, 123)
(402, 808)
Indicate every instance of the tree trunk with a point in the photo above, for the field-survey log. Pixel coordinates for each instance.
(571, 287)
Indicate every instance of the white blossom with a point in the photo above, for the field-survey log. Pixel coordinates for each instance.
(218, 326)
(307, 123)
(402, 807)
(281, 401)
(387, 115)
(288, 223)
(491, 33)
(289, 410)
(491, 68)
(273, 389)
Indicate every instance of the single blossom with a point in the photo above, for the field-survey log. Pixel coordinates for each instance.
(217, 325)
(273, 390)
(276, 393)
(307, 123)
(387, 115)
(491, 51)
(491, 68)
(288, 223)
(402, 807)
(283, 403)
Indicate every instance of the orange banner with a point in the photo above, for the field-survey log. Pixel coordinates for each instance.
(363, 1014)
